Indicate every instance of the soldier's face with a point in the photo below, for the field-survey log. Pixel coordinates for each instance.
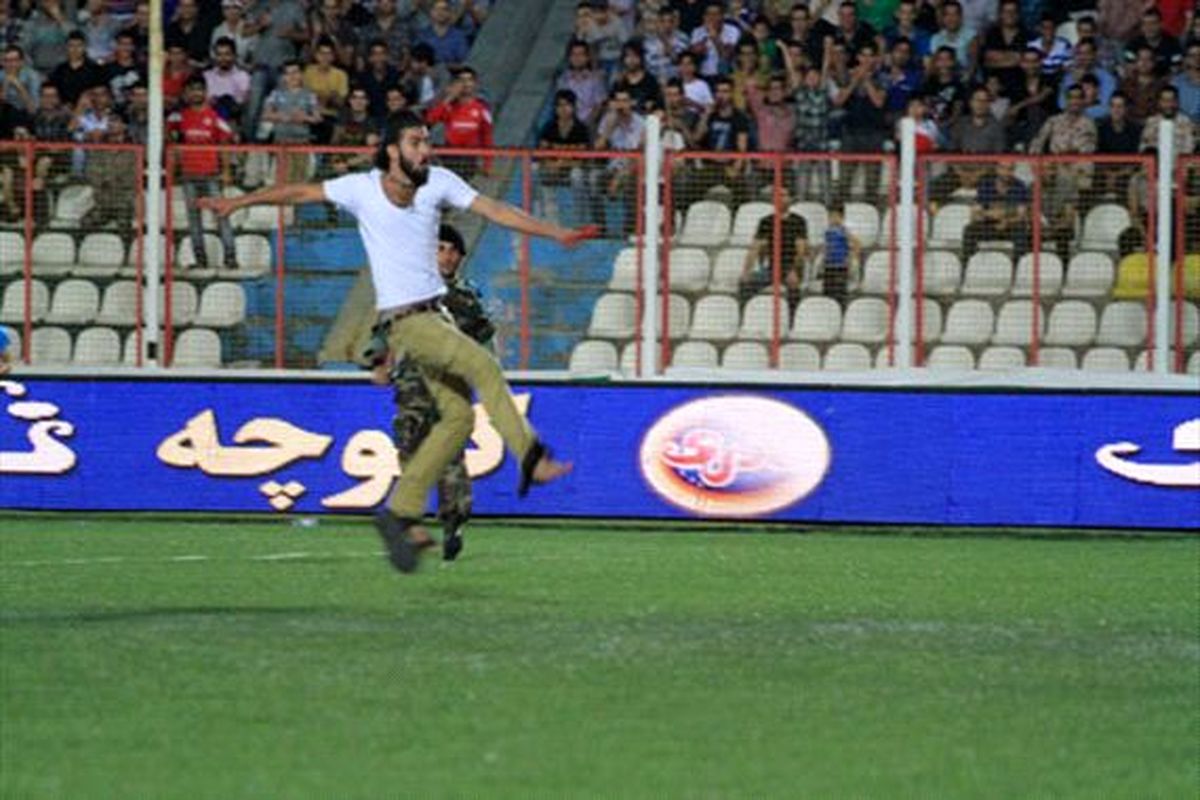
(448, 259)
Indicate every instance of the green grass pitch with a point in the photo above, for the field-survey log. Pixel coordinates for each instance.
(151, 658)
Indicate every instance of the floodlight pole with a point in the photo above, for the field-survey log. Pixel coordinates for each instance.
(152, 243)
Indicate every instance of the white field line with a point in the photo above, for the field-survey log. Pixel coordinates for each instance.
(189, 559)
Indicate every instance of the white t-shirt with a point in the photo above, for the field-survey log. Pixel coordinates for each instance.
(401, 243)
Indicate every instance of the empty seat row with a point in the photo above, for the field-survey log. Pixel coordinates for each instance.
(77, 301)
(868, 320)
(101, 347)
(105, 254)
(709, 223)
(596, 356)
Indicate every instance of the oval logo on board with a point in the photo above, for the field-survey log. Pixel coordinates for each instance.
(734, 456)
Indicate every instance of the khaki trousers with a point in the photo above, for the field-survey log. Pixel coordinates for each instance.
(453, 365)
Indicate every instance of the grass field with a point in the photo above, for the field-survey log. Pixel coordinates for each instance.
(164, 659)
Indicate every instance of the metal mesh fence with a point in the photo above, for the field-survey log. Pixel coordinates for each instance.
(1035, 262)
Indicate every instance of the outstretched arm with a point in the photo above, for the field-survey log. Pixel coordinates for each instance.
(288, 194)
(517, 220)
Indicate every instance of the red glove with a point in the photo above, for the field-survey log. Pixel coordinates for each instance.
(580, 235)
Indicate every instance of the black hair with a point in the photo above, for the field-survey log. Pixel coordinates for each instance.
(423, 52)
(76, 36)
(194, 80)
(450, 235)
(397, 124)
(567, 95)
(226, 41)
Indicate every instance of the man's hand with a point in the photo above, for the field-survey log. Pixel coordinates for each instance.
(221, 206)
(573, 237)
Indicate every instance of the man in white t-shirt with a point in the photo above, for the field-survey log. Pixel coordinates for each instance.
(398, 206)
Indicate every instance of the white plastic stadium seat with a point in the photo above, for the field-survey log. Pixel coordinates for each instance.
(76, 302)
(847, 357)
(624, 277)
(695, 355)
(72, 205)
(593, 355)
(1050, 275)
(943, 273)
(49, 346)
(968, 322)
(1002, 358)
(816, 219)
(12, 253)
(1089, 275)
(688, 270)
(1191, 324)
(119, 306)
(1193, 364)
(951, 357)
(877, 273)
(614, 316)
(214, 251)
(679, 316)
(716, 319)
(223, 304)
(885, 226)
(931, 321)
(948, 226)
(727, 270)
(1122, 324)
(101, 255)
(758, 318)
(53, 253)
(264, 218)
(745, 355)
(799, 357)
(1057, 358)
(1102, 226)
(627, 364)
(184, 303)
(252, 254)
(745, 222)
(866, 321)
(862, 220)
(12, 309)
(988, 274)
(129, 351)
(97, 347)
(1072, 324)
(706, 224)
(1014, 324)
(1105, 359)
(818, 319)
(197, 347)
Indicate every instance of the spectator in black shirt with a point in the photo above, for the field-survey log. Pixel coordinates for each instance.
(78, 73)
(377, 78)
(190, 29)
(124, 72)
(943, 91)
(724, 129)
(691, 14)
(1116, 134)
(808, 34)
(1003, 45)
(864, 128)
(1167, 53)
(1033, 100)
(564, 132)
(642, 86)
(758, 270)
(852, 32)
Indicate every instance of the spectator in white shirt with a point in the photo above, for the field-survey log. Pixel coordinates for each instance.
(714, 41)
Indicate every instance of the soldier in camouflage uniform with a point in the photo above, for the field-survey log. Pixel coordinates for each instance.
(416, 410)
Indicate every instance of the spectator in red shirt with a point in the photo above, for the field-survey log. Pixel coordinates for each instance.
(198, 123)
(176, 73)
(467, 119)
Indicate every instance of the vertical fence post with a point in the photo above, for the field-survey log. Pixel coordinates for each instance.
(639, 233)
(776, 259)
(154, 186)
(1162, 261)
(1180, 199)
(893, 199)
(280, 179)
(1036, 222)
(904, 305)
(523, 265)
(27, 328)
(167, 356)
(139, 255)
(653, 172)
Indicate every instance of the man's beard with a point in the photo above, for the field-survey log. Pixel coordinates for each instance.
(417, 175)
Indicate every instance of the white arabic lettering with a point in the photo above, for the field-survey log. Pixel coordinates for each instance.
(198, 445)
(1186, 439)
(49, 456)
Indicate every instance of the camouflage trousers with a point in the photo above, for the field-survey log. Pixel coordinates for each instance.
(416, 412)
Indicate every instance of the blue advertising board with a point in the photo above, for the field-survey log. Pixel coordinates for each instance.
(937, 457)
